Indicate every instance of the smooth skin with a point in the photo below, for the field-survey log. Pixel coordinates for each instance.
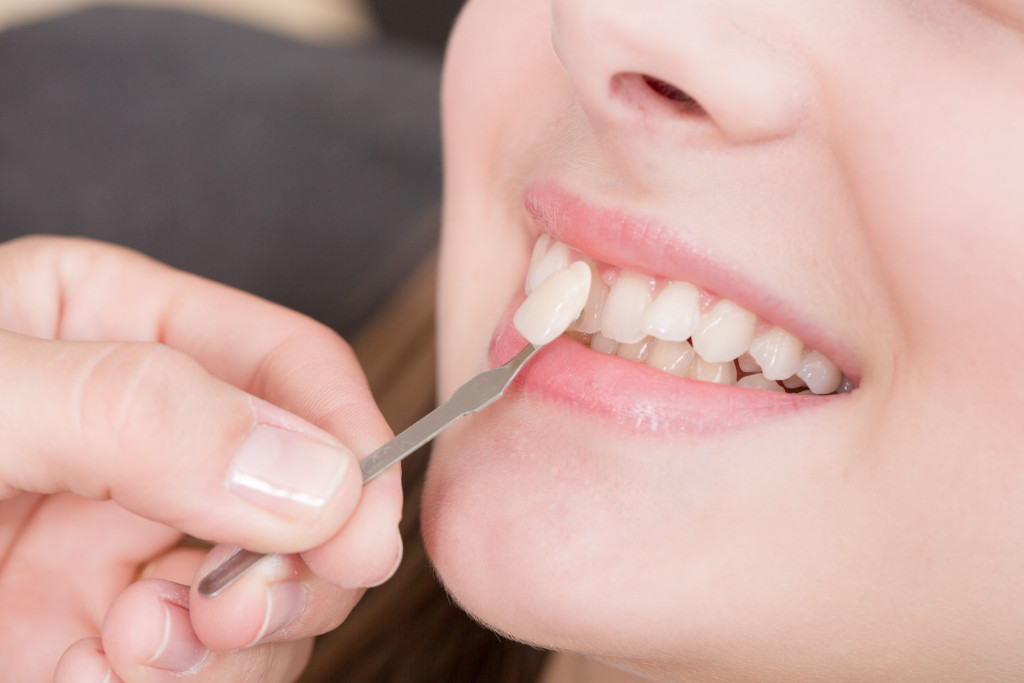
(129, 387)
(853, 170)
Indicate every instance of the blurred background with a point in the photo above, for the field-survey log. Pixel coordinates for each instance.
(286, 147)
(422, 22)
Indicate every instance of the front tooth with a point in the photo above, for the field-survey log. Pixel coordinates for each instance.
(674, 314)
(552, 307)
(821, 375)
(778, 353)
(624, 308)
(545, 262)
(590, 319)
(672, 357)
(719, 373)
(540, 247)
(759, 381)
(724, 333)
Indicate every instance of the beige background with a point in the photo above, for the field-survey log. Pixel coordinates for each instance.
(317, 20)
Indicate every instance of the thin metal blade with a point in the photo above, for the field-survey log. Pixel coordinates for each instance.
(475, 394)
(472, 396)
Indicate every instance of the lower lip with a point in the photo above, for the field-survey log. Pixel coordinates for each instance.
(636, 396)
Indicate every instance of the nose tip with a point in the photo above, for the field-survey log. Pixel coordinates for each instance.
(686, 68)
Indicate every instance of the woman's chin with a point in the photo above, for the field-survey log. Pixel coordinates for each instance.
(541, 533)
(560, 530)
(515, 533)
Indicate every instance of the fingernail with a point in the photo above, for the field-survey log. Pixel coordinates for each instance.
(180, 649)
(287, 473)
(285, 602)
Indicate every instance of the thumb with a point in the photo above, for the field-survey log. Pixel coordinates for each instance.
(148, 427)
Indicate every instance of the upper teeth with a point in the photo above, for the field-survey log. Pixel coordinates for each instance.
(675, 327)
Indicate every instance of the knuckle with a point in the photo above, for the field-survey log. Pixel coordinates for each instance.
(129, 391)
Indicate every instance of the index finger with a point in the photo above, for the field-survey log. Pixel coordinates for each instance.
(80, 290)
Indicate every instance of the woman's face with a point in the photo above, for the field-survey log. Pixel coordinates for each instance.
(848, 172)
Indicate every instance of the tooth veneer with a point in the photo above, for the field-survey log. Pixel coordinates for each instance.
(554, 304)
(642, 317)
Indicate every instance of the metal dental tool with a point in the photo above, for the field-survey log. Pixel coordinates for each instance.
(472, 396)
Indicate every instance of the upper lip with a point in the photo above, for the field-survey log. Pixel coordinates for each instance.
(634, 240)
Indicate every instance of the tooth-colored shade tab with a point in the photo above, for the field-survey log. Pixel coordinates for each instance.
(624, 308)
(821, 375)
(674, 314)
(778, 353)
(546, 263)
(672, 357)
(550, 309)
(724, 333)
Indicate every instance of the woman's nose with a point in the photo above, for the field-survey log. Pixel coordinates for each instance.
(688, 70)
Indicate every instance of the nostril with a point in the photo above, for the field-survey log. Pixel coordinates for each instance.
(681, 99)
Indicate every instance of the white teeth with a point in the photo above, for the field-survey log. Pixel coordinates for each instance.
(624, 308)
(550, 309)
(821, 375)
(603, 344)
(778, 353)
(747, 363)
(759, 381)
(719, 373)
(793, 382)
(674, 313)
(540, 247)
(590, 319)
(724, 333)
(545, 261)
(637, 351)
(626, 319)
(672, 357)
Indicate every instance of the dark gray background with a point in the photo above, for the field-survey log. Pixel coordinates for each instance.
(424, 22)
(307, 174)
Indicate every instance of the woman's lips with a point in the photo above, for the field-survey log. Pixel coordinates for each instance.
(641, 243)
(633, 395)
(622, 391)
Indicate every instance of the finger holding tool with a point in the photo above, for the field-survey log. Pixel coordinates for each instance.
(545, 314)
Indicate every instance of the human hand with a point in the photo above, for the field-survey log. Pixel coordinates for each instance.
(139, 404)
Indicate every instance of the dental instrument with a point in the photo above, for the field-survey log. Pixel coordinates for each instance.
(545, 314)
